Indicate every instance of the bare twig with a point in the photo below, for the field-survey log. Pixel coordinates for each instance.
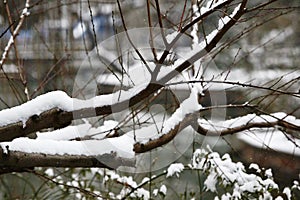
(130, 41)
(160, 23)
(151, 39)
(7, 29)
(182, 15)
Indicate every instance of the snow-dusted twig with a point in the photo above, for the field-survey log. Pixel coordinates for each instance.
(11, 42)
(203, 15)
(24, 14)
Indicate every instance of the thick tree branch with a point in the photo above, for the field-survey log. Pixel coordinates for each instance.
(18, 161)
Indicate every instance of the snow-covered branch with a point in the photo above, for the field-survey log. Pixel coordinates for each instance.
(57, 110)
(64, 148)
(174, 37)
(173, 125)
(248, 122)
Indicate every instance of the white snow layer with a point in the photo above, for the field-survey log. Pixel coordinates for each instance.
(218, 126)
(163, 189)
(122, 146)
(272, 139)
(222, 22)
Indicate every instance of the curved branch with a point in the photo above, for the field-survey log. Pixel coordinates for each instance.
(182, 31)
(232, 130)
(191, 120)
(165, 138)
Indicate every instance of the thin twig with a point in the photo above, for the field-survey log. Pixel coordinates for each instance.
(295, 94)
(129, 39)
(7, 29)
(160, 23)
(151, 39)
(182, 15)
(82, 190)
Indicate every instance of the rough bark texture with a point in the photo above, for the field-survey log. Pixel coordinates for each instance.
(17, 161)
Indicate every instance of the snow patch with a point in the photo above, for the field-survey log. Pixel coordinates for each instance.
(163, 189)
(175, 168)
(170, 37)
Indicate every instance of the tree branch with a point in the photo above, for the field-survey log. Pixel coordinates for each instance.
(19, 161)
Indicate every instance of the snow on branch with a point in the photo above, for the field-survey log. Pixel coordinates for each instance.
(247, 122)
(59, 112)
(210, 7)
(60, 100)
(67, 148)
(81, 140)
(56, 109)
(277, 129)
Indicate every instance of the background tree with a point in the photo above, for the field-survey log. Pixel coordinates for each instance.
(135, 101)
